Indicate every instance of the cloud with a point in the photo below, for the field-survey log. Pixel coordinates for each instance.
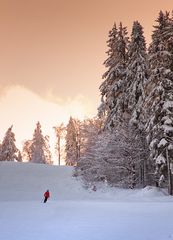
(23, 109)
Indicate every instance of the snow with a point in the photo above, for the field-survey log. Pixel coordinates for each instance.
(168, 104)
(74, 213)
(168, 121)
(170, 147)
(162, 142)
(160, 159)
(167, 128)
(153, 142)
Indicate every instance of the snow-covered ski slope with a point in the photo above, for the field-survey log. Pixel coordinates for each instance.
(74, 213)
(26, 182)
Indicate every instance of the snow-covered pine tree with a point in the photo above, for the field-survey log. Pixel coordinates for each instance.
(109, 63)
(40, 152)
(159, 101)
(72, 146)
(136, 73)
(112, 88)
(26, 151)
(8, 148)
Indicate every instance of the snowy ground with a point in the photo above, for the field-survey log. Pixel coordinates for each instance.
(74, 213)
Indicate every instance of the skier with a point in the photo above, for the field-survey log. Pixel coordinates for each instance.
(46, 196)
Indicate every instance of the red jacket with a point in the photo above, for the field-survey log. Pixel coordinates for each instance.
(47, 194)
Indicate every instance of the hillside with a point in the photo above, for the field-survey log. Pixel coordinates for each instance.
(27, 181)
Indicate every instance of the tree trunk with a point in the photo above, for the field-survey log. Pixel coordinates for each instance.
(170, 190)
(59, 152)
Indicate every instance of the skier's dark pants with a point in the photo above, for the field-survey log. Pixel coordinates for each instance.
(45, 199)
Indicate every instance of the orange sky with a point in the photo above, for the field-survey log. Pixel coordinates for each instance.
(55, 48)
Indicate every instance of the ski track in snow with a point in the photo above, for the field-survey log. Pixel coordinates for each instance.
(74, 213)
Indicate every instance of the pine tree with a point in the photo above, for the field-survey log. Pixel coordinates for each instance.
(159, 100)
(39, 148)
(72, 147)
(109, 63)
(8, 148)
(112, 89)
(136, 73)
